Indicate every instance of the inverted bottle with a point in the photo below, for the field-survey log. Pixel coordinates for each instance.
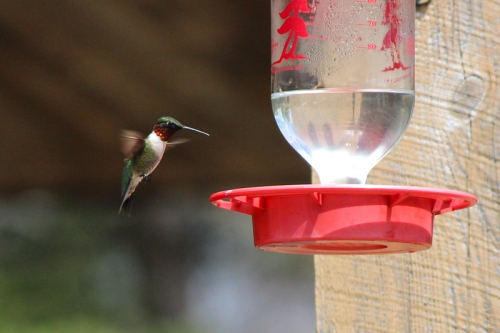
(343, 88)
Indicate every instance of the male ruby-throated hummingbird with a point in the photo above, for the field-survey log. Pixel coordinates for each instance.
(144, 154)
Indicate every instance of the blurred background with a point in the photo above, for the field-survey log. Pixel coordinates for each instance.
(72, 74)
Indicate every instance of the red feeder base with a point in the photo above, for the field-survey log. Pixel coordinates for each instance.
(342, 219)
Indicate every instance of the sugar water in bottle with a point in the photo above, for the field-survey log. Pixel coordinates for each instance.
(342, 78)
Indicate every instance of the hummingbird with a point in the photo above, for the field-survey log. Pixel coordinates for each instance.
(144, 154)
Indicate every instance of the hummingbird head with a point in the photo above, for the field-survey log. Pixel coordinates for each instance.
(167, 126)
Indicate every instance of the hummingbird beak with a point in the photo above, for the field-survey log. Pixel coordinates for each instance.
(195, 130)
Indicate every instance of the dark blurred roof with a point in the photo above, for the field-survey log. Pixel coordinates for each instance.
(73, 73)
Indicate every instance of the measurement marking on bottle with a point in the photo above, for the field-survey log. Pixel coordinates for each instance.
(369, 23)
(368, 47)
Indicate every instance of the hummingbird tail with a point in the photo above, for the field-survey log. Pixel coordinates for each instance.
(126, 201)
(126, 206)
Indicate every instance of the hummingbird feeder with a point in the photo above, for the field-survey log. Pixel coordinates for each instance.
(342, 80)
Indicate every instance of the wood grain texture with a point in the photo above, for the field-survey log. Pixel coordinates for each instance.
(451, 143)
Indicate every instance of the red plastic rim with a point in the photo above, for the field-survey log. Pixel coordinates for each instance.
(342, 219)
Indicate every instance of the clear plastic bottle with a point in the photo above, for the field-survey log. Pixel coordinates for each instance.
(342, 79)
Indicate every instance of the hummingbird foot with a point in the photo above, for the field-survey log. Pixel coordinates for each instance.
(146, 179)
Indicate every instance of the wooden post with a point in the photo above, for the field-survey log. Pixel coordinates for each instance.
(453, 142)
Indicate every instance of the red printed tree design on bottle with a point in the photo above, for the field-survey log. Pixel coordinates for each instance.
(392, 39)
(295, 26)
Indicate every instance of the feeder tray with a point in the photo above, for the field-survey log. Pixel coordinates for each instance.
(342, 219)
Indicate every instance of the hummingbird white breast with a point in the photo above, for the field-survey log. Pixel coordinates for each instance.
(155, 143)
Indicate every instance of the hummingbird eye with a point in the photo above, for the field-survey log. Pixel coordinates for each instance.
(172, 125)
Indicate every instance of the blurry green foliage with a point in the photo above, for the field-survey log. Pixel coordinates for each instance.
(86, 325)
(64, 268)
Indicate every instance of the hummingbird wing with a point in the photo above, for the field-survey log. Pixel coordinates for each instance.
(175, 142)
(132, 143)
